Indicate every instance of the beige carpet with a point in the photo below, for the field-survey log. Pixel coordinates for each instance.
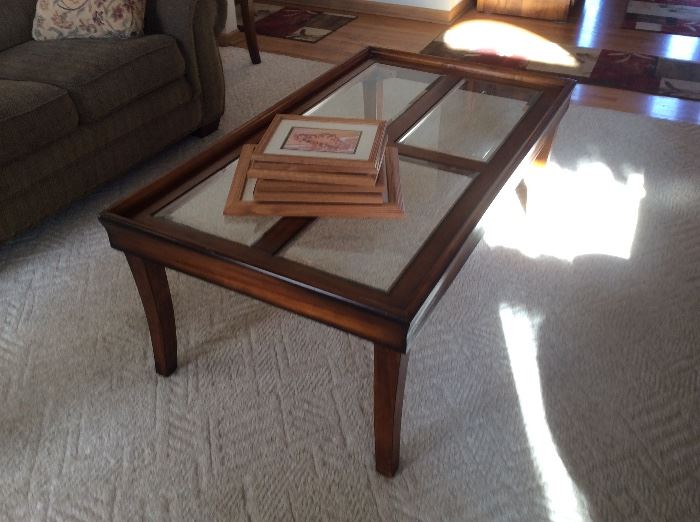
(559, 379)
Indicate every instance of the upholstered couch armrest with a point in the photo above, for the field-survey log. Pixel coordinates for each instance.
(192, 23)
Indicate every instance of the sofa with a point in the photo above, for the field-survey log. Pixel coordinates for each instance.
(75, 113)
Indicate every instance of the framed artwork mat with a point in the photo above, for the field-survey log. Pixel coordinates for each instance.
(323, 144)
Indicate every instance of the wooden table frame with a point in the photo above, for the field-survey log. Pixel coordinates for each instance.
(390, 319)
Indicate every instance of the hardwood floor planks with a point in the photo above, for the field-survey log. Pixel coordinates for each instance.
(596, 23)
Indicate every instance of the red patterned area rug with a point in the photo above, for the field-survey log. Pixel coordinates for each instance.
(664, 16)
(618, 69)
(297, 24)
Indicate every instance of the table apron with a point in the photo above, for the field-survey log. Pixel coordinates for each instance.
(295, 298)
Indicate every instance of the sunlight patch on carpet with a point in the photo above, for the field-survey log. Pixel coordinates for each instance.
(569, 213)
(564, 501)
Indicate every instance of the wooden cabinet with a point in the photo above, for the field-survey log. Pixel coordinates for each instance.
(542, 9)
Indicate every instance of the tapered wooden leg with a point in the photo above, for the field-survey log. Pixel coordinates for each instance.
(542, 157)
(152, 284)
(389, 382)
(373, 94)
(539, 161)
(251, 37)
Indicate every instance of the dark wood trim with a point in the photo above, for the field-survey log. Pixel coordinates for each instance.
(158, 203)
(152, 284)
(538, 154)
(251, 36)
(417, 283)
(281, 233)
(366, 297)
(198, 176)
(440, 158)
(441, 287)
(391, 319)
(425, 273)
(389, 383)
(289, 294)
(420, 107)
(545, 150)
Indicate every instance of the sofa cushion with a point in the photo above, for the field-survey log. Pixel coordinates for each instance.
(100, 75)
(32, 115)
(57, 19)
(16, 22)
(80, 145)
(49, 193)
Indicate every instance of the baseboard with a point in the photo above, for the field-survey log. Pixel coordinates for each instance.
(420, 14)
(555, 10)
(459, 9)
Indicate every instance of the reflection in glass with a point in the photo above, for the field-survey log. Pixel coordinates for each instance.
(473, 120)
(381, 92)
(375, 251)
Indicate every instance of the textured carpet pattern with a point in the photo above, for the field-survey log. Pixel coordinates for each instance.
(542, 388)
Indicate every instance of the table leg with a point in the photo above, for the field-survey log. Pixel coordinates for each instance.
(542, 157)
(251, 36)
(152, 284)
(389, 383)
(373, 94)
(540, 161)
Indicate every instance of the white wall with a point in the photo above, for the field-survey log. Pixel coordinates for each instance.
(231, 22)
(441, 5)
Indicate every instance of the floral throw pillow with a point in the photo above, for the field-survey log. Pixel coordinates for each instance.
(57, 19)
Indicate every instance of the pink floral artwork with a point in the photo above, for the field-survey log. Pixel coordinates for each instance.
(306, 139)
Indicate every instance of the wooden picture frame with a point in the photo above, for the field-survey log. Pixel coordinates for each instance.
(241, 204)
(275, 185)
(342, 145)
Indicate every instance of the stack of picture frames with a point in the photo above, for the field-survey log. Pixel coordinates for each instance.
(318, 167)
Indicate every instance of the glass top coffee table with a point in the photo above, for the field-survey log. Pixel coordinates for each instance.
(461, 130)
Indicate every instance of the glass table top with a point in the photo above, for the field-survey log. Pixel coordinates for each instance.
(202, 208)
(380, 92)
(470, 119)
(374, 252)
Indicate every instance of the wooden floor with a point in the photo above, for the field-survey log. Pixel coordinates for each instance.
(594, 23)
